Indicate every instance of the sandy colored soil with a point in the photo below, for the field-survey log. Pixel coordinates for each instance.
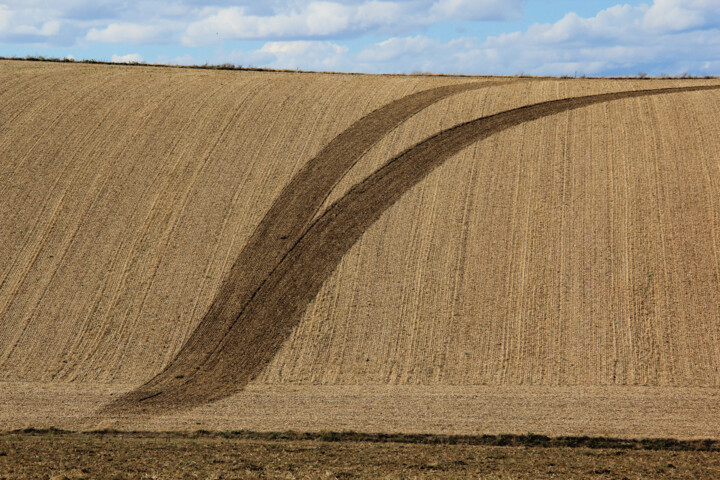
(615, 412)
(171, 237)
(272, 306)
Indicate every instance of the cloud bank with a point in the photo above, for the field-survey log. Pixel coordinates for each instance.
(671, 36)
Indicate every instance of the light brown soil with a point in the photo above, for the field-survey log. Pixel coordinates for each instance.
(575, 252)
(237, 340)
(611, 411)
(280, 230)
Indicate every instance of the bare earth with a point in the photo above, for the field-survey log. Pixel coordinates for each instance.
(616, 412)
(184, 249)
(78, 456)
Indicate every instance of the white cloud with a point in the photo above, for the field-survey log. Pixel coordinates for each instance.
(476, 10)
(305, 55)
(5, 16)
(129, 58)
(393, 48)
(318, 19)
(679, 15)
(656, 36)
(46, 29)
(295, 54)
(327, 19)
(618, 40)
(377, 13)
(28, 26)
(610, 24)
(125, 33)
(202, 23)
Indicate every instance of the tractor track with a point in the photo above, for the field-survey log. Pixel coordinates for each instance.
(289, 256)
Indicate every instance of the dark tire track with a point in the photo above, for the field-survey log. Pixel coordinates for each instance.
(287, 219)
(220, 363)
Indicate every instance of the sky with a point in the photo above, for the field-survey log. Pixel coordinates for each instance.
(499, 37)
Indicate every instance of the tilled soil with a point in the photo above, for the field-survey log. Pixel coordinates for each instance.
(136, 456)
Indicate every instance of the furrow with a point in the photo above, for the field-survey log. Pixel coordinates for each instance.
(240, 335)
(289, 217)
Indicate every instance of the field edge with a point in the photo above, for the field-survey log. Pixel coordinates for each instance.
(499, 440)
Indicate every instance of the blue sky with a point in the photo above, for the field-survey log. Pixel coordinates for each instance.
(540, 37)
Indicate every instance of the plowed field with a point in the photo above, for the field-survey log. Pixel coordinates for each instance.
(230, 249)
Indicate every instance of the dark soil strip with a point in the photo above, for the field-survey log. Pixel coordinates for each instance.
(527, 440)
(254, 327)
(287, 219)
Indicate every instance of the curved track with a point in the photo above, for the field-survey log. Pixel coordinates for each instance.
(288, 259)
(288, 217)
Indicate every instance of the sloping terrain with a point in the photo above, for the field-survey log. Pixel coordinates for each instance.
(364, 240)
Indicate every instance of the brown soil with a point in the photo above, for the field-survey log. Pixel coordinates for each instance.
(76, 456)
(278, 233)
(558, 276)
(612, 411)
(247, 326)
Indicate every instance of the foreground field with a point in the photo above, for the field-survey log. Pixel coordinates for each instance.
(133, 456)
(310, 251)
(634, 412)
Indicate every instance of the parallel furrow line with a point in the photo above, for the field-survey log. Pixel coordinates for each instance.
(251, 339)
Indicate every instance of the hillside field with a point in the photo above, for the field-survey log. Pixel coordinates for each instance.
(187, 249)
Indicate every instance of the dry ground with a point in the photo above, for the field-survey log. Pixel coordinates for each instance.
(564, 267)
(635, 412)
(136, 456)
